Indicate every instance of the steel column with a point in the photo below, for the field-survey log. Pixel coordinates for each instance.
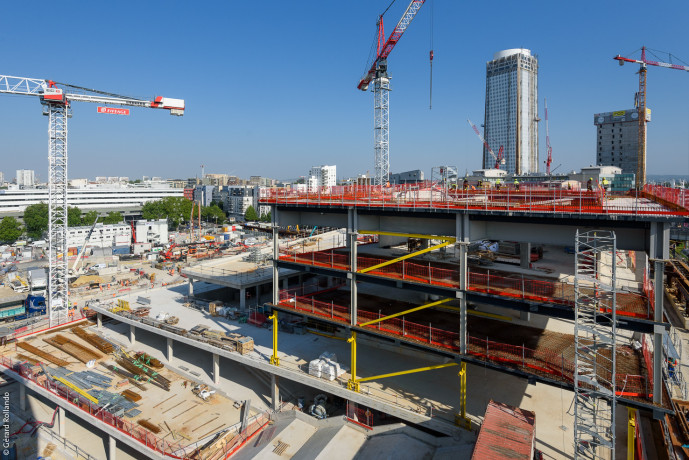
(276, 255)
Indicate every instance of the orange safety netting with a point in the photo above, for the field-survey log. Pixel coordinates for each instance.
(652, 200)
(544, 362)
(518, 287)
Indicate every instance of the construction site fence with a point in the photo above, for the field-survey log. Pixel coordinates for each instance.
(134, 431)
(527, 198)
(514, 286)
(543, 361)
(201, 270)
(42, 324)
(359, 415)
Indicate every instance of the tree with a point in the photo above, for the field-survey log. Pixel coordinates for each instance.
(73, 216)
(267, 217)
(89, 218)
(250, 215)
(10, 230)
(36, 220)
(213, 214)
(113, 217)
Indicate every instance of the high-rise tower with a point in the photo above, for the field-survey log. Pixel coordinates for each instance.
(512, 110)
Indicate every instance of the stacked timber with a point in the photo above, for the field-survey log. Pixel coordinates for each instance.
(95, 340)
(72, 348)
(42, 354)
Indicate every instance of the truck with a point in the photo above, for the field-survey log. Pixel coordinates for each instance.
(32, 306)
(38, 281)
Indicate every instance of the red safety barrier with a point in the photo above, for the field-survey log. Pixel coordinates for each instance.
(530, 198)
(513, 286)
(543, 361)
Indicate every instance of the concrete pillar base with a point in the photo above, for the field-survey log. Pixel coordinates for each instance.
(191, 287)
(132, 335)
(99, 321)
(275, 392)
(242, 299)
(524, 255)
(216, 368)
(525, 315)
(112, 448)
(61, 422)
(22, 397)
(169, 350)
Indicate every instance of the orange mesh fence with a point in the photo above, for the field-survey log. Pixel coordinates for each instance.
(542, 361)
(514, 286)
(654, 200)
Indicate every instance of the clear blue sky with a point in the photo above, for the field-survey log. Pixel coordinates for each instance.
(271, 90)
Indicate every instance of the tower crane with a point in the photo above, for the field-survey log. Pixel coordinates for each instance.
(378, 74)
(548, 149)
(641, 107)
(56, 99)
(500, 157)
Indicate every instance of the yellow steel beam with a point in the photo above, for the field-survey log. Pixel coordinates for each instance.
(77, 389)
(410, 371)
(479, 313)
(451, 239)
(384, 318)
(408, 256)
(353, 383)
(275, 360)
(631, 432)
(461, 418)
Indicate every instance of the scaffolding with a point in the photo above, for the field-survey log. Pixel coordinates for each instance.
(595, 335)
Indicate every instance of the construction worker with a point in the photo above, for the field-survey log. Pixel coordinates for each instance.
(516, 184)
(497, 184)
(465, 184)
(589, 184)
(605, 184)
(480, 184)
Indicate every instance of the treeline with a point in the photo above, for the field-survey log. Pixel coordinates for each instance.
(177, 210)
(36, 222)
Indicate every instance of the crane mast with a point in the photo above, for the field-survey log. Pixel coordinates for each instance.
(378, 74)
(499, 158)
(548, 149)
(641, 107)
(57, 106)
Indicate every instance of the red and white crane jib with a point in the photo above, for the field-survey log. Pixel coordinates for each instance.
(392, 40)
(48, 91)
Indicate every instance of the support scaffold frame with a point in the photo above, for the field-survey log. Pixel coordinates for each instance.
(595, 336)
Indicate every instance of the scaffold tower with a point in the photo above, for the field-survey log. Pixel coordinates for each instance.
(595, 334)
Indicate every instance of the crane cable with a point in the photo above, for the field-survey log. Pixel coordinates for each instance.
(430, 100)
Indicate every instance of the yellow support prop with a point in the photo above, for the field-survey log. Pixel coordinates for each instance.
(451, 239)
(410, 371)
(77, 389)
(408, 256)
(275, 360)
(428, 305)
(353, 384)
(631, 432)
(461, 418)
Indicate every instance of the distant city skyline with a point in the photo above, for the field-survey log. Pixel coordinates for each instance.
(261, 106)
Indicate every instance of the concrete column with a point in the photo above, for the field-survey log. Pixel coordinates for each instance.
(216, 368)
(99, 321)
(242, 299)
(132, 335)
(191, 287)
(285, 283)
(524, 255)
(659, 251)
(276, 256)
(169, 350)
(61, 422)
(22, 397)
(112, 448)
(352, 278)
(275, 392)
(462, 235)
